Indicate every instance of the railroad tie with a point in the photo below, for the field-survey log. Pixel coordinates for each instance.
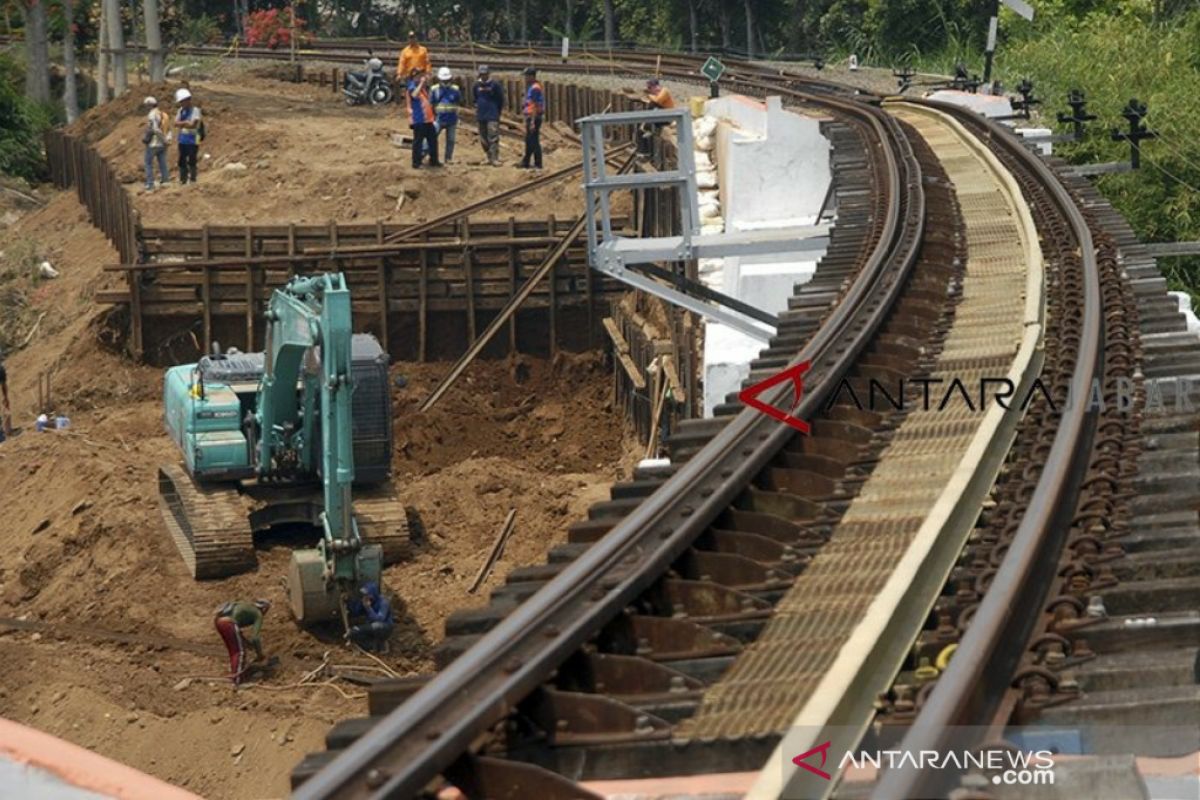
(771, 681)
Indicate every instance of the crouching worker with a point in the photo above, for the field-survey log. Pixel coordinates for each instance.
(239, 622)
(376, 628)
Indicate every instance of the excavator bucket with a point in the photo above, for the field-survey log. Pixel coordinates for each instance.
(312, 598)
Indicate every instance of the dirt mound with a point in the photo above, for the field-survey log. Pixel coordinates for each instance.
(83, 553)
(100, 121)
(278, 153)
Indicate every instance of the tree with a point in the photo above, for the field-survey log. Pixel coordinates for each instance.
(70, 87)
(116, 44)
(610, 23)
(37, 52)
(158, 70)
(749, 29)
(22, 122)
(102, 61)
(693, 24)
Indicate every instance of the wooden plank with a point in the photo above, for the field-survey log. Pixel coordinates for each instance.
(1168, 249)
(511, 307)
(514, 267)
(383, 290)
(423, 312)
(678, 394)
(249, 291)
(553, 327)
(206, 294)
(620, 345)
(468, 272)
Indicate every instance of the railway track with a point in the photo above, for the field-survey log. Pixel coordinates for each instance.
(897, 570)
(768, 582)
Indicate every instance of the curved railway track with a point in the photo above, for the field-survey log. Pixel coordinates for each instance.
(768, 582)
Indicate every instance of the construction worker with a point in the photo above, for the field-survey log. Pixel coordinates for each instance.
(156, 138)
(414, 56)
(373, 633)
(657, 95)
(446, 98)
(187, 120)
(533, 109)
(238, 622)
(489, 100)
(421, 117)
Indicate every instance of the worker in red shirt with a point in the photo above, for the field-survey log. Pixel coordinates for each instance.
(421, 117)
(533, 109)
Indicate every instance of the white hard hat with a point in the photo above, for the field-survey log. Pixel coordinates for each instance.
(181, 95)
(149, 101)
(444, 74)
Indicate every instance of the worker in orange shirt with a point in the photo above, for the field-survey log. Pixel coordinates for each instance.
(658, 97)
(415, 56)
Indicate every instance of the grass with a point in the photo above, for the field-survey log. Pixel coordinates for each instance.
(18, 277)
(1113, 59)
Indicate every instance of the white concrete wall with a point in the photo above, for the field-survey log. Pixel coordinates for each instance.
(774, 172)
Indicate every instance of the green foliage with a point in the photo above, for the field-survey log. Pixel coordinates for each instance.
(202, 29)
(1114, 59)
(21, 125)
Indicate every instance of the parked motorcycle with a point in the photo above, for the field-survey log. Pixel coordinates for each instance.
(371, 86)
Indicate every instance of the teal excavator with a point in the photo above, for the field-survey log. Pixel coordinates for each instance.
(298, 434)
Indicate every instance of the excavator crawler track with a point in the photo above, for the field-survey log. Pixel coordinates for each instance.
(209, 524)
(382, 520)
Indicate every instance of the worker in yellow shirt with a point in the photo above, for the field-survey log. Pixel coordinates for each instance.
(415, 56)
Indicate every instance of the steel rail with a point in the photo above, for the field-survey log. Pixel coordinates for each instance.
(408, 748)
(632, 63)
(983, 664)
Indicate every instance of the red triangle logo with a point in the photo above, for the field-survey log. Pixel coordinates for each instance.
(795, 374)
(823, 749)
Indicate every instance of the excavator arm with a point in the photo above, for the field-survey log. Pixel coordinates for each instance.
(307, 314)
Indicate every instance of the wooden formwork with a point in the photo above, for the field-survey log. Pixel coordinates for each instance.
(218, 274)
(437, 288)
(75, 163)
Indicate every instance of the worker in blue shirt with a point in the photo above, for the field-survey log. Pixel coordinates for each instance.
(420, 111)
(533, 109)
(446, 98)
(377, 625)
(489, 100)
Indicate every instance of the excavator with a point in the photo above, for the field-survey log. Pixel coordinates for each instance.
(298, 434)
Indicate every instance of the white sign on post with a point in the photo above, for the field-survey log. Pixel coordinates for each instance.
(566, 48)
(1021, 8)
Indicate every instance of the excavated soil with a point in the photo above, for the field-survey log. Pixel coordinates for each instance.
(83, 553)
(279, 152)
